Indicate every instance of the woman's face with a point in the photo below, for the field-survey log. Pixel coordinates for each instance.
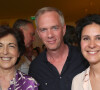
(90, 43)
(8, 51)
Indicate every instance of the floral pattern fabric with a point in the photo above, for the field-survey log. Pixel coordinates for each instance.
(23, 82)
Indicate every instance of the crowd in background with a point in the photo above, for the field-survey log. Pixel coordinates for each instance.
(53, 65)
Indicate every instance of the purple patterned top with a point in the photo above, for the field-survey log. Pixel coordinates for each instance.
(23, 82)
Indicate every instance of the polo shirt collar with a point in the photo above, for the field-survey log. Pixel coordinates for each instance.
(69, 53)
(45, 56)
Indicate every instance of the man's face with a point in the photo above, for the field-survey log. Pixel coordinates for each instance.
(50, 30)
(29, 33)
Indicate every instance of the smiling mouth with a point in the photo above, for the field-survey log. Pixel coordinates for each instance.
(6, 58)
(51, 42)
(92, 52)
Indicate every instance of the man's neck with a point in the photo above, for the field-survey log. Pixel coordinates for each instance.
(58, 58)
(58, 53)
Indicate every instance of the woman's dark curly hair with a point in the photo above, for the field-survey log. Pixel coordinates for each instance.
(5, 30)
(89, 19)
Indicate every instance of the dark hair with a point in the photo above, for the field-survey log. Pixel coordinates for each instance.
(89, 19)
(21, 22)
(70, 35)
(37, 50)
(4, 31)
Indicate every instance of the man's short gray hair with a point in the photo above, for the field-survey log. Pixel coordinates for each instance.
(21, 22)
(49, 9)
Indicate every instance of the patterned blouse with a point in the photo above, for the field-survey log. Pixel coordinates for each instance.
(23, 82)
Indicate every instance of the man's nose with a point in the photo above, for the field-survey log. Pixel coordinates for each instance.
(50, 33)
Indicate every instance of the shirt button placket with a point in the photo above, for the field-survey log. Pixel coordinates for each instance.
(46, 84)
(60, 77)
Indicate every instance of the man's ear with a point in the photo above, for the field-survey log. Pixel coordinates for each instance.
(64, 29)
